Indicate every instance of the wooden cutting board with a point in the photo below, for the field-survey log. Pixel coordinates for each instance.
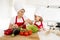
(18, 37)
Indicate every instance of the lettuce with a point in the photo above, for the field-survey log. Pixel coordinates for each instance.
(33, 28)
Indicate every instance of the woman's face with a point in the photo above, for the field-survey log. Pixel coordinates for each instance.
(21, 12)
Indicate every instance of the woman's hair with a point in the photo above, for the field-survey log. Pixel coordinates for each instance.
(23, 9)
(35, 17)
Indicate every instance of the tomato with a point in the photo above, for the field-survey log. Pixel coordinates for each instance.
(30, 32)
(25, 33)
(21, 33)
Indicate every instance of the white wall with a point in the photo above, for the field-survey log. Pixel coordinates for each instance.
(52, 14)
(5, 13)
(46, 13)
(7, 10)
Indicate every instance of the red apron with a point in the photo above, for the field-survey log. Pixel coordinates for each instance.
(39, 26)
(20, 23)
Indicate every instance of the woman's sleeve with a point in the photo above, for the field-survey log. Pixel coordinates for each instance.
(12, 21)
(25, 18)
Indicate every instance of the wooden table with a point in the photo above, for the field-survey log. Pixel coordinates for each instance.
(18, 37)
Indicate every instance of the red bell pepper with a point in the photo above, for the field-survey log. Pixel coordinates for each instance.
(8, 31)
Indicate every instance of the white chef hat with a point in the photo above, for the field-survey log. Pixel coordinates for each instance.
(18, 5)
(37, 12)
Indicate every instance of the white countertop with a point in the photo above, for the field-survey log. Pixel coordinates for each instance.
(50, 36)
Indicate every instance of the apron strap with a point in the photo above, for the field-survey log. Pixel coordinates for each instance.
(23, 19)
(35, 24)
(16, 20)
(39, 25)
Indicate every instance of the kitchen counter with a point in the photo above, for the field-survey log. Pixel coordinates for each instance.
(34, 36)
(42, 35)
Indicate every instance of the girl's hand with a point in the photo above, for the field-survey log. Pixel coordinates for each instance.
(39, 29)
(29, 21)
(42, 29)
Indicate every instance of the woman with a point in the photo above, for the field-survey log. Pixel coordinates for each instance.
(20, 20)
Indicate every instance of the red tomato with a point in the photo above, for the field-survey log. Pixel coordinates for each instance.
(25, 33)
(21, 33)
(30, 32)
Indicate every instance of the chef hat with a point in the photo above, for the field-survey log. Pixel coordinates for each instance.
(18, 5)
(37, 12)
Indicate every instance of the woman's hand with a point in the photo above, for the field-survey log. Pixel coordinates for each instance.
(10, 26)
(15, 26)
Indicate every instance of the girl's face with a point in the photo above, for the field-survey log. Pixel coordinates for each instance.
(21, 12)
(37, 18)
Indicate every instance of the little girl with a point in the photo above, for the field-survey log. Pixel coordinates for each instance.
(38, 21)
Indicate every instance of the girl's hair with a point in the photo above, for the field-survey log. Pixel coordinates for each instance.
(41, 19)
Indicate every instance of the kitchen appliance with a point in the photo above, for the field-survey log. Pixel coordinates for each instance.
(52, 25)
(58, 25)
